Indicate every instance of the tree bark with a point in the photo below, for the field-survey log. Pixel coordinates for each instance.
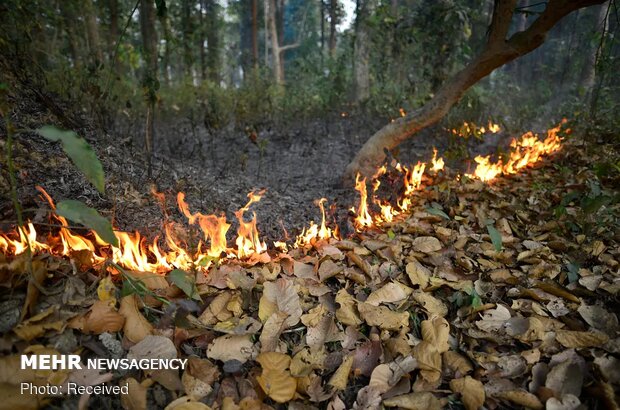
(187, 31)
(92, 33)
(213, 41)
(361, 52)
(333, 21)
(113, 37)
(497, 52)
(276, 48)
(255, 33)
(165, 25)
(149, 43)
(597, 24)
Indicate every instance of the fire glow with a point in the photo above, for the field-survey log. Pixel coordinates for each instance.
(171, 252)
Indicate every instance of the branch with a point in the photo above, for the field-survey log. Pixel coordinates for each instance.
(288, 47)
(502, 16)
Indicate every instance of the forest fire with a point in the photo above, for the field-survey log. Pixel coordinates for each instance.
(524, 151)
(134, 253)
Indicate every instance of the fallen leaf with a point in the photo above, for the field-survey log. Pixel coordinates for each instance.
(136, 327)
(272, 330)
(418, 274)
(415, 401)
(280, 295)
(383, 317)
(426, 244)
(471, 390)
(436, 331)
(275, 380)
(430, 303)
(392, 292)
(231, 347)
(135, 399)
(579, 340)
(347, 313)
(340, 378)
(521, 398)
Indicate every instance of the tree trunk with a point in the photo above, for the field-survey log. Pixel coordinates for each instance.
(333, 21)
(188, 31)
(165, 25)
(69, 19)
(92, 33)
(361, 52)
(276, 49)
(149, 43)
(201, 41)
(213, 41)
(598, 23)
(255, 33)
(497, 52)
(113, 37)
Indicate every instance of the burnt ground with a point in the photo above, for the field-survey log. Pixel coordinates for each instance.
(296, 163)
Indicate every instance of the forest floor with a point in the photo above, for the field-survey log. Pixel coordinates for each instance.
(433, 310)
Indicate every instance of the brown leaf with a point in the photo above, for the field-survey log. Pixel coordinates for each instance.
(430, 303)
(426, 244)
(276, 380)
(415, 401)
(135, 399)
(418, 274)
(136, 326)
(520, 397)
(35, 281)
(391, 292)
(229, 347)
(471, 390)
(429, 361)
(436, 331)
(579, 340)
(383, 317)
(347, 312)
(340, 378)
(280, 295)
(272, 330)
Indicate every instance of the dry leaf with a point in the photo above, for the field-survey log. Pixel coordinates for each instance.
(392, 292)
(418, 274)
(272, 330)
(383, 317)
(280, 295)
(471, 390)
(436, 331)
(426, 244)
(136, 326)
(217, 311)
(415, 401)
(276, 380)
(347, 312)
(429, 361)
(153, 347)
(186, 403)
(520, 397)
(579, 340)
(135, 399)
(231, 347)
(307, 360)
(340, 378)
(430, 303)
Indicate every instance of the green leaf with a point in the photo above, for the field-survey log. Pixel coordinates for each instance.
(437, 212)
(391, 234)
(77, 211)
(496, 238)
(80, 152)
(573, 272)
(185, 282)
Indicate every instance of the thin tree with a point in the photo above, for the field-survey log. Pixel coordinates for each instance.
(498, 51)
(361, 51)
(276, 49)
(149, 44)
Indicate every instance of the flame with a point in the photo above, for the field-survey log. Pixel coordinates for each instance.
(438, 164)
(363, 218)
(171, 251)
(314, 232)
(248, 241)
(525, 151)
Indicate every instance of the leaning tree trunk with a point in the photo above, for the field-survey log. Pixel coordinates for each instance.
(497, 52)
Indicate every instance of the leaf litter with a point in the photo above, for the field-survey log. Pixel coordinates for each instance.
(482, 296)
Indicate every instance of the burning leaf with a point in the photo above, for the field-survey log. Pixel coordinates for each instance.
(275, 379)
(80, 152)
(471, 390)
(77, 211)
(136, 326)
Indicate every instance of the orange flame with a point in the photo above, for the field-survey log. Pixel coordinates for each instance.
(437, 163)
(314, 232)
(248, 241)
(525, 151)
(363, 218)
